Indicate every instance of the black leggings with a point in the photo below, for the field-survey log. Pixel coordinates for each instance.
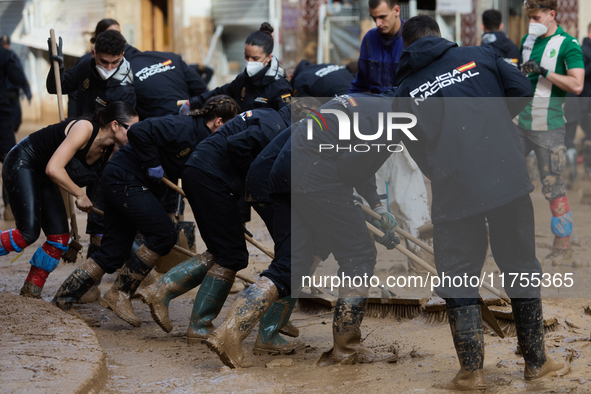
(36, 201)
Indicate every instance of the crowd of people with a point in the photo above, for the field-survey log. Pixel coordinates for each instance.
(247, 145)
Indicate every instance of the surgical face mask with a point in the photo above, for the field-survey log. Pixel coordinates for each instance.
(104, 73)
(253, 68)
(538, 29)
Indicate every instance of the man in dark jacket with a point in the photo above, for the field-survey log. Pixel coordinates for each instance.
(472, 153)
(99, 80)
(160, 80)
(320, 80)
(380, 49)
(493, 36)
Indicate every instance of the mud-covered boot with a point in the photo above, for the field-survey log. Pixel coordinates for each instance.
(346, 331)
(466, 329)
(77, 284)
(226, 341)
(209, 302)
(562, 252)
(180, 279)
(93, 294)
(45, 259)
(269, 341)
(290, 330)
(118, 298)
(529, 324)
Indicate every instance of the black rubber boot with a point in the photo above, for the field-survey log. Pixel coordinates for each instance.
(93, 294)
(77, 284)
(118, 298)
(466, 329)
(346, 331)
(529, 323)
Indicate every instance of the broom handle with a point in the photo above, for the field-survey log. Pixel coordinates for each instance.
(367, 210)
(182, 250)
(246, 236)
(423, 263)
(60, 108)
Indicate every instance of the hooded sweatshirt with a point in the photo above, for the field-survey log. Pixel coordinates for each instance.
(266, 89)
(464, 100)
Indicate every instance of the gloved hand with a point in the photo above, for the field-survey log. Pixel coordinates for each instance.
(387, 222)
(389, 240)
(59, 57)
(533, 67)
(155, 174)
(185, 108)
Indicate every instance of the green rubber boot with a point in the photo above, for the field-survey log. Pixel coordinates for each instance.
(269, 341)
(209, 302)
(180, 279)
(118, 298)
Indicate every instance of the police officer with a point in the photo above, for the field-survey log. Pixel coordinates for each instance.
(319, 188)
(261, 85)
(131, 182)
(493, 36)
(213, 179)
(99, 80)
(321, 80)
(483, 185)
(35, 168)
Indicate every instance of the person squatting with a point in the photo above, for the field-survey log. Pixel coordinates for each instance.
(246, 141)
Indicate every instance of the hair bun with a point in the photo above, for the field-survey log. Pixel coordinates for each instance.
(267, 28)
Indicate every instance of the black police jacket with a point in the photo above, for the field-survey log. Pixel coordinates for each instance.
(320, 80)
(314, 169)
(160, 79)
(167, 141)
(464, 100)
(586, 47)
(266, 89)
(228, 153)
(503, 46)
(10, 71)
(92, 91)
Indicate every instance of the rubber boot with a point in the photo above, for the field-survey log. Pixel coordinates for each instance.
(269, 341)
(45, 259)
(468, 335)
(529, 323)
(118, 298)
(226, 341)
(180, 279)
(562, 252)
(94, 293)
(209, 302)
(346, 331)
(290, 330)
(77, 284)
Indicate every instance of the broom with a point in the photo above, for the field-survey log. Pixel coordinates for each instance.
(74, 247)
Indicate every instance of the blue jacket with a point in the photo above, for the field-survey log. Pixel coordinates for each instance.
(378, 62)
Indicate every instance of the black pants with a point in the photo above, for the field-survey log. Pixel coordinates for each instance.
(130, 207)
(279, 271)
(461, 246)
(217, 214)
(36, 201)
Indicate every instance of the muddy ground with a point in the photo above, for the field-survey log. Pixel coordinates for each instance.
(149, 360)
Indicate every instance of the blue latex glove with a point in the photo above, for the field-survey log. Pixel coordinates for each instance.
(387, 222)
(156, 173)
(185, 108)
(389, 240)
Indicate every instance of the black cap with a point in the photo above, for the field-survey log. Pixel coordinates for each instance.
(4, 40)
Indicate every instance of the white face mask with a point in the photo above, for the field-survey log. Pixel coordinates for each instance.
(104, 73)
(253, 68)
(538, 29)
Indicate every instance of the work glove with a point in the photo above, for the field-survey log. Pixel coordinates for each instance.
(533, 67)
(387, 221)
(389, 240)
(155, 174)
(59, 57)
(185, 108)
